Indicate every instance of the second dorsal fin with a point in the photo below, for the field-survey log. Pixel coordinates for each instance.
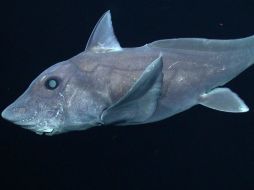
(103, 38)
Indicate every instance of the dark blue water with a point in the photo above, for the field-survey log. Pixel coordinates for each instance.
(197, 149)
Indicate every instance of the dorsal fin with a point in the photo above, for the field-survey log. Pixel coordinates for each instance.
(103, 38)
(202, 44)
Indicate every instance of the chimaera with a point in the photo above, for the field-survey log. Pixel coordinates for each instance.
(107, 84)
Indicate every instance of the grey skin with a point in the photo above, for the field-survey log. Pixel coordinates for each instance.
(107, 84)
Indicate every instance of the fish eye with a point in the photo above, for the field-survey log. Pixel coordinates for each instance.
(52, 83)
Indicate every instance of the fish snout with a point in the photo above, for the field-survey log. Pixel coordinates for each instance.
(7, 114)
(14, 114)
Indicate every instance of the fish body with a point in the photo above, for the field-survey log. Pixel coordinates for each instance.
(107, 84)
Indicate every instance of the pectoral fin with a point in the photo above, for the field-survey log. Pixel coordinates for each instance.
(223, 99)
(140, 102)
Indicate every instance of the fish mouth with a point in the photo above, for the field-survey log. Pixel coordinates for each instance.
(36, 128)
(48, 132)
(39, 130)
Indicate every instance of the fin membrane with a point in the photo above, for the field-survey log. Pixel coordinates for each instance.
(223, 99)
(140, 102)
(103, 38)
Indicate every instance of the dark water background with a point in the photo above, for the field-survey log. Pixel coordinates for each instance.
(197, 149)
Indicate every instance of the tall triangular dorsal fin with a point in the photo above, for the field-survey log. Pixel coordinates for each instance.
(103, 38)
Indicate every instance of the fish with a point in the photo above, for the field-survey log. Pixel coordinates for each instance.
(107, 84)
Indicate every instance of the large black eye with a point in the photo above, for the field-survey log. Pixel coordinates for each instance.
(52, 83)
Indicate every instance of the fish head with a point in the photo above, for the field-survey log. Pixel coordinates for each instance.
(59, 100)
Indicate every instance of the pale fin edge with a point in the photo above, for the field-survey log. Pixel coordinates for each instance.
(223, 99)
(103, 38)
